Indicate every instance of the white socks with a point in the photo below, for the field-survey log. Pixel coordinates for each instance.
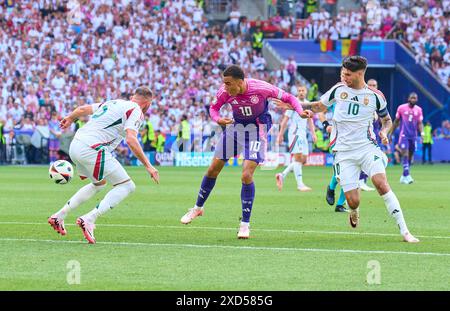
(394, 209)
(112, 198)
(298, 173)
(79, 198)
(288, 169)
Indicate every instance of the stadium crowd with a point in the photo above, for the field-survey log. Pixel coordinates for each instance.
(51, 61)
(423, 26)
(50, 64)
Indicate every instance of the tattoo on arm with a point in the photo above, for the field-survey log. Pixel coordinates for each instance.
(314, 107)
(306, 106)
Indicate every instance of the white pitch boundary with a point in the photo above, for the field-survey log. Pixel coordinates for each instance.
(183, 227)
(258, 248)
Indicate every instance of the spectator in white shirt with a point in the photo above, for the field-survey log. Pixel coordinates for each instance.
(58, 82)
(233, 23)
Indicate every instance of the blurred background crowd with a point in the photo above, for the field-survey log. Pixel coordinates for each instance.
(52, 62)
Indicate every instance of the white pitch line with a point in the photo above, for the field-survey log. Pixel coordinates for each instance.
(290, 249)
(183, 227)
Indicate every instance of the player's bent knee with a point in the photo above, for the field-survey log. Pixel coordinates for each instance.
(128, 185)
(353, 203)
(383, 188)
(352, 198)
(100, 183)
(131, 186)
(100, 186)
(246, 178)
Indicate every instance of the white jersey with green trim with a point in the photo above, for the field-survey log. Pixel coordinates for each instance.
(108, 123)
(297, 125)
(353, 115)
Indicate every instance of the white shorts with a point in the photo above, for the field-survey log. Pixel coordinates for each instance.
(348, 165)
(96, 164)
(298, 144)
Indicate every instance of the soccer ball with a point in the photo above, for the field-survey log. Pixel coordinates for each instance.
(61, 172)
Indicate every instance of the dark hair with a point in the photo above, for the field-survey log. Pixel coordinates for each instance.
(354, 63)
(234, 71)
(144, 92)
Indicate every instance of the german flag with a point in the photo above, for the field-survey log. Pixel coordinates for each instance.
(355, 47)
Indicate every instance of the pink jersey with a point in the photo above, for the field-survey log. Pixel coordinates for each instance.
(410, 118)
(251, 106)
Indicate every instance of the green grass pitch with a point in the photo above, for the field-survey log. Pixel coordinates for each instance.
(297, 241)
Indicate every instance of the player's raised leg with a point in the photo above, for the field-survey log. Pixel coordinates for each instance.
(347, 169)
(392, 205)
(207, 185)
(247, 197)
(353, 199)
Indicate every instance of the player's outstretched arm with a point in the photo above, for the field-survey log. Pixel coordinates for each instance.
(304, 114)
(84, 110)
(136, 148)
(386, 126)
(316, 107)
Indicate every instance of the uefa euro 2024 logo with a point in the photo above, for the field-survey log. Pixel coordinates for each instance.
(74, 14)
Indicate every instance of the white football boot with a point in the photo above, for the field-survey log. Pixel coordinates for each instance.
(191, 215)
(244, 231)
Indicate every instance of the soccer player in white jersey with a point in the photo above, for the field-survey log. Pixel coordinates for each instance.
(298, 143)
(355, 147)
(90, 150)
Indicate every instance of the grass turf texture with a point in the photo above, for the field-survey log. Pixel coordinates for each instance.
(293, 246)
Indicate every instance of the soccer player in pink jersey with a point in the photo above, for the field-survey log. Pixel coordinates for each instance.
(409, 116)
(246, 132)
